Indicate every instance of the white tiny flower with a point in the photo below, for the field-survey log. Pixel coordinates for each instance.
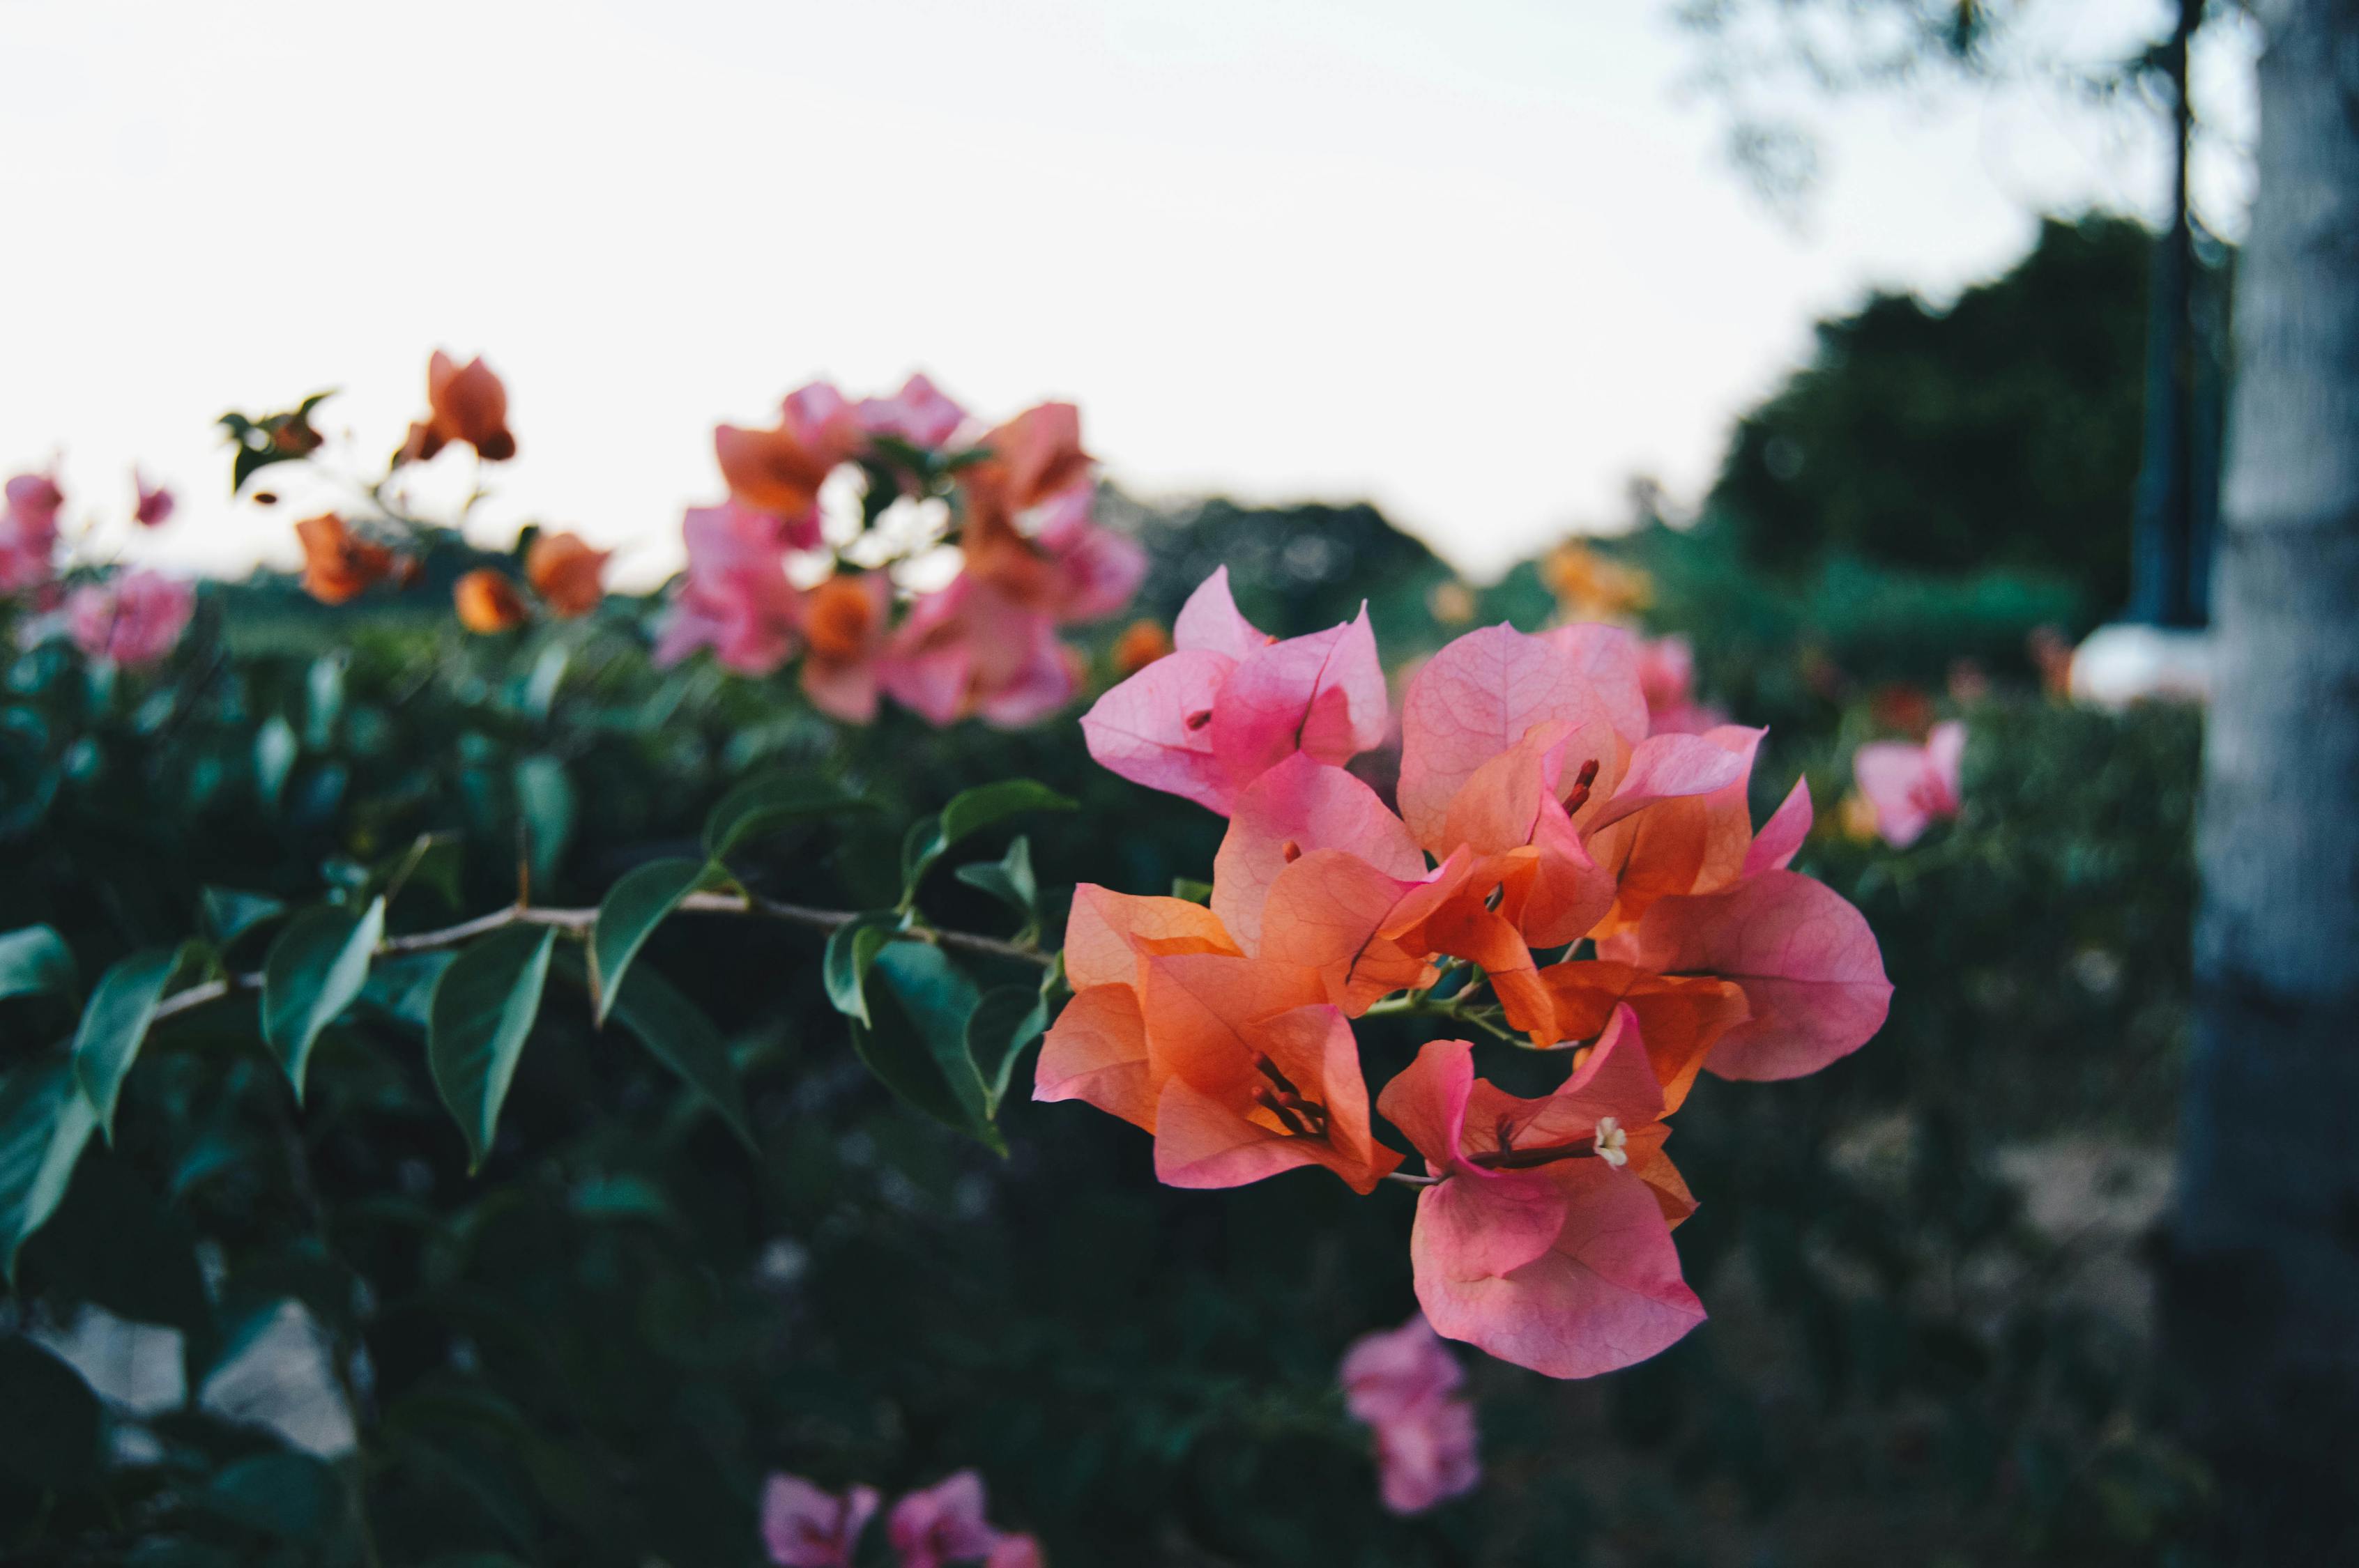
(1609, 1141)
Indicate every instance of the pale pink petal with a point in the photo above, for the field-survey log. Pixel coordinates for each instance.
(1945, 750)
(1666, 767)
(1805, 959)
(1323, 694)
(1297, 806)
(919, 414)
(1156, 728)
(1781, 837)
(1387, 1373)
(1098, 570)
(941, 1524)
(805, 1527)
(1037, 687)
(1210, 621)
(1608, 1293)
(132, 620)
(1899, 782)
(1016, 1552)
(1607, 657)
(1473, 700)
(1427, 1456)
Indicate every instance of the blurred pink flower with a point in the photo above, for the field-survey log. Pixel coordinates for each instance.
(919, 414)
(132, 620)
(1667, 676)
(29, 532)
(736, 600)
(942, 1523)
(1404, 1383)
(778, 471)
(1016, 1551)
(1912, 787)
(972, 651)
(156, 504)
(804, 1527)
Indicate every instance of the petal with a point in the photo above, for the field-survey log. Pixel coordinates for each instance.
(1806, 960)
(1387, 1373)
(1893, 776)
(1607, 1295)
(1323, 912)
(1774, 848)
(1323, 693)
(1108, 933)
(1096, 1051)
(1200, 1009)
(1210, 621)
(1473, 700)
(1427, 1102)
(1300, 805)
(1151, 730)
(1607, 657)
(1664, 767)
(1681, 1017)
(1481, 1224)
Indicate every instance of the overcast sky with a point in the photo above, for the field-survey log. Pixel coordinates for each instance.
(1479, 262)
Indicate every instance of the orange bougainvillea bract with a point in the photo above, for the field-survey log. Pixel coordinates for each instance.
(338, 563)
(1556, 868)
(487, 602)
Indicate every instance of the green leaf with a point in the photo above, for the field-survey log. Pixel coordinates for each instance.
(1006, 1021)
(283, 1494)
(544, 799)
(50, 1438)
(764, 805)
(404, 985)
(844, 968)
(969, 813)
(227, 914)
(629, 914)
(1192, 890)
(35, 961)
(483, 1006)
(114, 1023)
(1009, 879)
(312, 973)
(435, 860)
(676, 1033)
(916, 1041)
(274, 757)
(323, 704)
(112, 1243)
(45, 1123)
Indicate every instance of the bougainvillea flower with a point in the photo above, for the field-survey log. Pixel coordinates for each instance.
(338, 563)
(488, 603)
(919, 414)
(1230, 703)
(1096, 1051)
(1016, 1552)
(1403, 1384)
(155, 504)
(1301, 805)
(1543, 1241)
(1696, 842)
(735, 599)
(567, 573)
(1912, 787)
(1806, 960)
(1141, 644)
(844, 623)
(29, 532)
(779, 471)
(1257, 1074)
(1667, 673)
(942, 1524)
(969, 651)
(131, 620)
(1607, 657)
(1782, 838)
(1681, 1017)
(466, 404)
(804, 1527)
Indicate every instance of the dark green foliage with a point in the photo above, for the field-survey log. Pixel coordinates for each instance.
(2000, 433)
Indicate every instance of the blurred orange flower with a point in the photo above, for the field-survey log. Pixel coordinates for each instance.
(487, 602)
(566, 572)
(339, 564)
(465, 403)
(1141, 644)
(1592, 586)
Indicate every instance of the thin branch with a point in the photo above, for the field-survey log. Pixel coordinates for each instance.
(576, 923)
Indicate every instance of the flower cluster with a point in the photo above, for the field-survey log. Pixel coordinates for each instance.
(806, 1527)
(1403, 1384)
(1906, 788)
(1552, 871)
(128, 617)
(466, 405)
(774, 573)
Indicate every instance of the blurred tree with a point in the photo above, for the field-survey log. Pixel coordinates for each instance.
(2262, 1287)
(1887, 44)
(2002, 432)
